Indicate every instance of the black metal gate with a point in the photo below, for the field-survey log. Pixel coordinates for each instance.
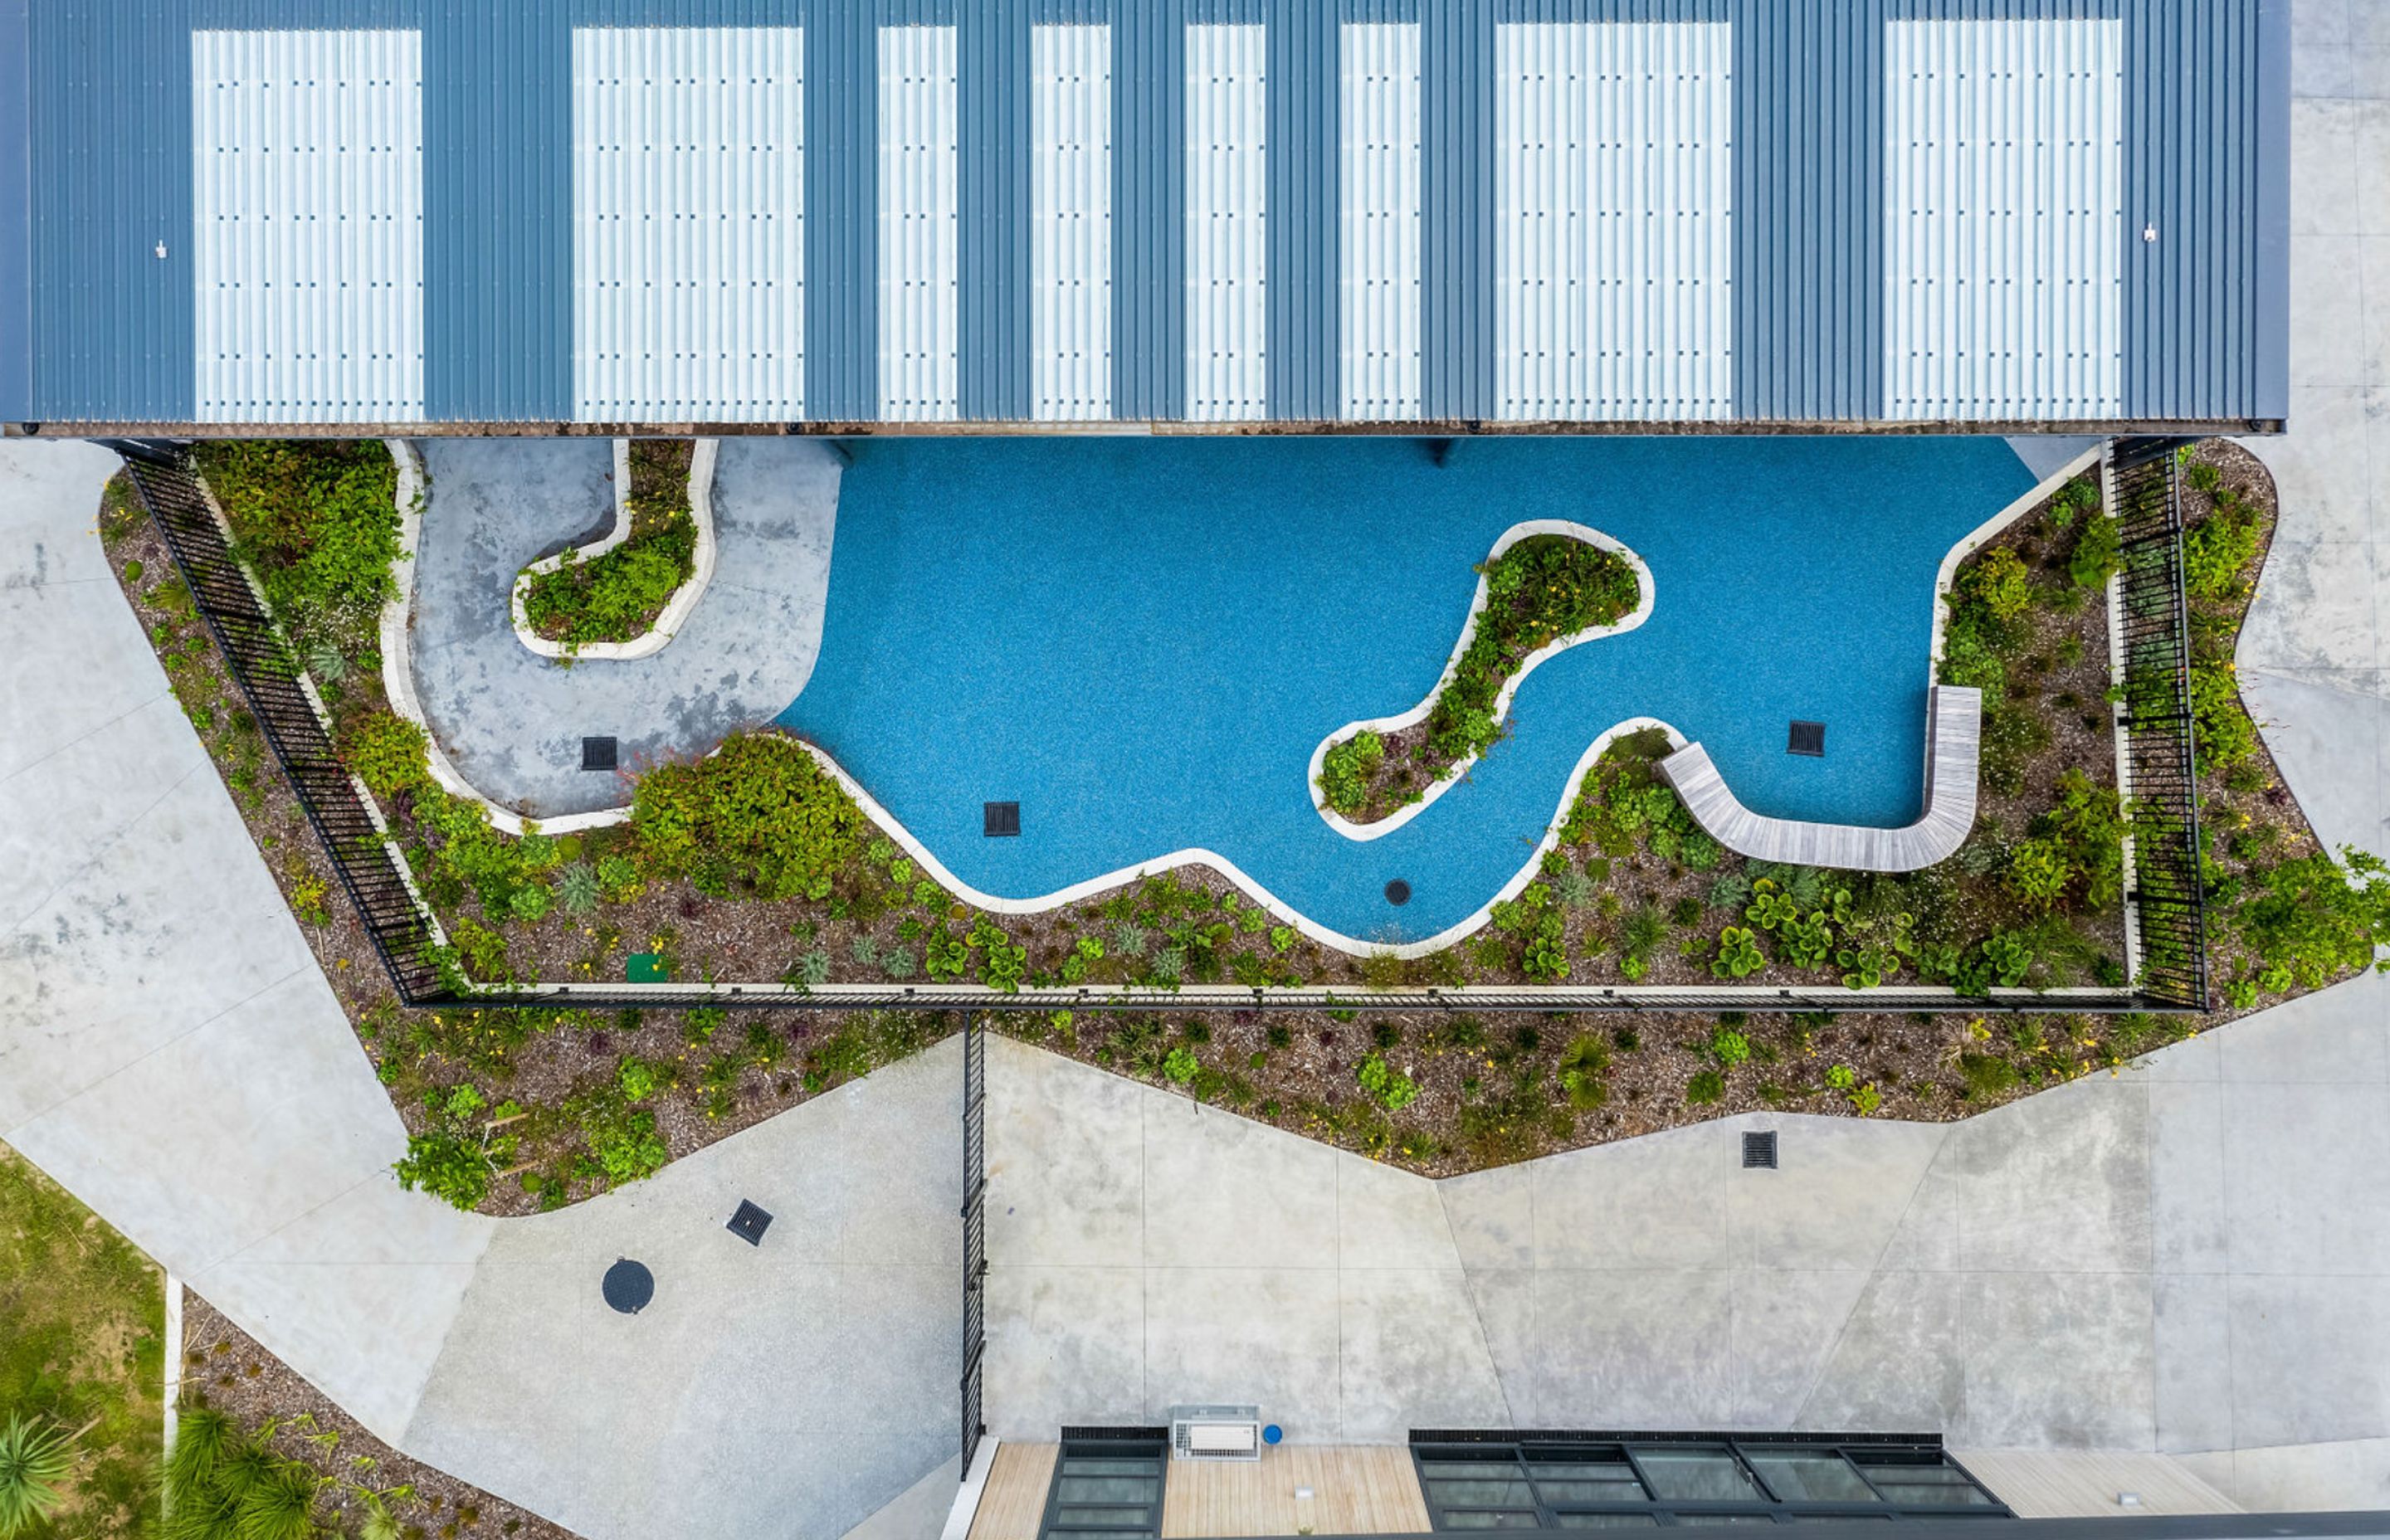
(2144, 486)
(262, 665)
(974, 1231)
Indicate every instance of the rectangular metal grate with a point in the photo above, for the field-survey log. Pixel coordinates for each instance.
(1003, 819)
(599, 753)
(749, 1224)
(1760, 1151)
(1807, 738)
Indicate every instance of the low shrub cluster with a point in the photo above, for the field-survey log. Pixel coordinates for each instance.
(1545, 587)
(617, 595)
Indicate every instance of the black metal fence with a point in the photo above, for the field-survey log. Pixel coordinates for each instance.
(270, 680)
(974, 1232)
(2166, 900)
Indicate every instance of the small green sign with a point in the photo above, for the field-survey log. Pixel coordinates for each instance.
(648, 967)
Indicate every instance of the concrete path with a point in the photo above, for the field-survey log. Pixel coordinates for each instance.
(171, 1054)
(2183, 1258)
(512, 721)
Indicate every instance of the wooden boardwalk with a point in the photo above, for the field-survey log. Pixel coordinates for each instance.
(1953, 741)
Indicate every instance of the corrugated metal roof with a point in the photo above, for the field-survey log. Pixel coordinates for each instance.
(2004, 202)
(1208, 209)
(1613, 221)
(307, 225)
(1228, 253)
(1380, 230)
(688, 206)
(1071, 299)
(920, 204)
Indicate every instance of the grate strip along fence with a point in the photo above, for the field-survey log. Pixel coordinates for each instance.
(270, 680)
(974, 1231)
(2145, 494)
(2170, 917)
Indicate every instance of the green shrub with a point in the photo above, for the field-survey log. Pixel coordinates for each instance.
(2216, 551)
(1180, 1065)
(1705, 1090)
(2312, 918)
(317, 521)
(1969, 660)
(1545, 587)
(1738, 953)
(2098, 555)
(1389, 1086)
(449, 1164)
(1729, 1047)
(1346, 770)
(1998, 582)
(757, 818)
(2226, 735)
(385, 751)
(2039, 872)
(1583, 1066)
(1987, 1076)
(636, 1079)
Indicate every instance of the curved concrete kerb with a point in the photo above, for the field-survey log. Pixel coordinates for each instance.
(397, 630)
(677, 611)
(1417, 713)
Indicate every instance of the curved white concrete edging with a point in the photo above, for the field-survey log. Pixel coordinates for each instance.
(677, 609)
(398, 666)
(1990, 528)
(1512, 536)
(1285, 912)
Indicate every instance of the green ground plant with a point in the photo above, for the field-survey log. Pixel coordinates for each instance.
(616, 596)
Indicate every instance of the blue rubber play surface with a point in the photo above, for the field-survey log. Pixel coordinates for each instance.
(1140, 641)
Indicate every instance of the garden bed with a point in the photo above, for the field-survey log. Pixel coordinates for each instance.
(1542, 589)
(752, 866)
(266, 1402)
(617, 595)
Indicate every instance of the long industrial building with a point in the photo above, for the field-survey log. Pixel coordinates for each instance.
(1415, 215)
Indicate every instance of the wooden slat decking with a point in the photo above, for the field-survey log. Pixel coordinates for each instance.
(1953, 743)
(1012, 1506)
(1359, 1490)
(2066, 1483)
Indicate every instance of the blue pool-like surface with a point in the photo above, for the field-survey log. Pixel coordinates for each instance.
(1141, 640)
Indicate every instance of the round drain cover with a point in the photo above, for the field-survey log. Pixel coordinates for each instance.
(629, 1286)
(1398, 891)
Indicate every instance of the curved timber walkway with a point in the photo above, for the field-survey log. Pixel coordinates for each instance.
(1953, 742)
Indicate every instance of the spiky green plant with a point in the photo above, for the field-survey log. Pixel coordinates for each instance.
(34, 1458)
(281, 1504)
(324, 660)
(577, 887)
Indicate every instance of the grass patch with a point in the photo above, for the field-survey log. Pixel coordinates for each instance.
(83, 1325)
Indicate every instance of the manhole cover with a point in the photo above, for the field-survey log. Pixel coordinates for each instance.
(1398, 891)
(629, 1286)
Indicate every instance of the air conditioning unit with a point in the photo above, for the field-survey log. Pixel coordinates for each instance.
(1215, 1432)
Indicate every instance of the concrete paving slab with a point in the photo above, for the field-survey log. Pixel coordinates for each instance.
(2191, 1345)
(1065, 1347)
(1402, 1365)
(2066, 1361)
(2356, 1472)
(1059, 1188)
(2336, 1036)
(2056, 1183)
(2327, 306)
(2189, 1223)
(1219, 1188)
(1393, 1219)
(1492, 1215)
(920, 1513)
(1654, 1203)
(1635, 1348)
(1897, 1362)
(2328, 1145)
(1786, 1324)
(2310, 1360)
(1840, 1191)
(1267, 1335)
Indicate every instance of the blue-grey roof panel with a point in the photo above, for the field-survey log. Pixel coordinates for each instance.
(99, 261)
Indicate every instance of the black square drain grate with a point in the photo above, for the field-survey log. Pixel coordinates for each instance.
(1003, 819)
(1760, 1151)
(750, 1222)
(1808, 738)
(599, 753)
